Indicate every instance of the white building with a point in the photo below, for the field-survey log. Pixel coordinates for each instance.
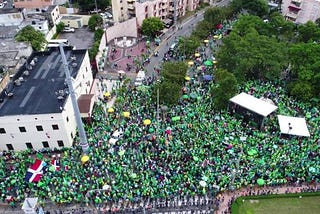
(10, 17)
(35, 108)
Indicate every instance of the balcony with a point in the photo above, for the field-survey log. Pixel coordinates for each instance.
(292, 15)
(131, 7)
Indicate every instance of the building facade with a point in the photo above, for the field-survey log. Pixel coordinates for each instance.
(33, 3)
(35, 108)
(301, 11)
(141, 9)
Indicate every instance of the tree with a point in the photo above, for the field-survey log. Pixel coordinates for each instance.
(172, 79)
(89, 5)
(305, 70)
(169, 93)
(255, 7)
(174, 72)
(188, 45)
(33, 36)
(214, 16)
(60, 27)
(226, 87)
(151, 26)
(94, 22)
(202, 30)
(250, 55)
(308, 32)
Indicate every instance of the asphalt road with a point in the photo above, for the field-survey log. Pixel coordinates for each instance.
(171, 35)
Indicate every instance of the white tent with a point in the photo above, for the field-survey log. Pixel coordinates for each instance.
(293, 126)
(254, 104)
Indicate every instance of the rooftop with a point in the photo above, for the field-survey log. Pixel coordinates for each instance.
(39, 85)
(70, 17)
(10, 10)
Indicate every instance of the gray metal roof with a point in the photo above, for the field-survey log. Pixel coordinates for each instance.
(42, 89)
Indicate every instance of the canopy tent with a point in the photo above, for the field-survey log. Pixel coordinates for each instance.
(293, 126)
(253, 104)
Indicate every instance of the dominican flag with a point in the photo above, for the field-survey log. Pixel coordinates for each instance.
(56, 164)
(34, 173)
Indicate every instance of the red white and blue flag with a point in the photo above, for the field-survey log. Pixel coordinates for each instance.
(34, 173)
(56, 164)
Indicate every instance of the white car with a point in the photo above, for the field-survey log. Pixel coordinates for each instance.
(140, 78)
(2, 5)
(68, 30)
(116, 136)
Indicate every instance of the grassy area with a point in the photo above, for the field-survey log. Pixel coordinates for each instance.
(282, 205)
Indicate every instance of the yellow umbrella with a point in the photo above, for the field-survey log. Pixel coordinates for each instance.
(84, 159)
(214, 62)
(147, 122)
(196, 54)
(107, 94)
(215, 36)
(187, 78)
(190, 63)
(206, 41)
(126, 114)
(110, 110)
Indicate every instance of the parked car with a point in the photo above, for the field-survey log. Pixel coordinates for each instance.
(68, 30)
(140, 78)
(116, 136)
(106, 15)
(2, 5)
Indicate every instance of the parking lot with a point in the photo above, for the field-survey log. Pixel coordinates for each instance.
(81, 38)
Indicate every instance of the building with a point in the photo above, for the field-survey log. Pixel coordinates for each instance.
(35, 108)
(141, 9)
(301, 11)
(49, 13)
(72, 21)
(33, 3)
(11, 17)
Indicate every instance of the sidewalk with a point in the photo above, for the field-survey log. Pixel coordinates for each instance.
(226, 198)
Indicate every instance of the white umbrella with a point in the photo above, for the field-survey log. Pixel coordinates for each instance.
(203, 183)
(121, 72)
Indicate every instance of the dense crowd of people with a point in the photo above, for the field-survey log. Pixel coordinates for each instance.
(190, 149)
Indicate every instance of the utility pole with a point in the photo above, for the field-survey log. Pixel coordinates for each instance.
(158, 135)
(175, 12)
(95, 3)
(83, 138)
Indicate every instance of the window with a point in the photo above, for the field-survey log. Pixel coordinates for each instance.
(29, 145)
(22, 129)
(2, 131)
(45, 144)
(39, 128)
(9, 146)
(55, 127)
(60, 143)
(67, 119)
(71, 135)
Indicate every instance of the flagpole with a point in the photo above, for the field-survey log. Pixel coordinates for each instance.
(83, 138)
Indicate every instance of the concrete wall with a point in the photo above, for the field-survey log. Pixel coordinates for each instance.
(73, 22)
(117, 30)
(102, 54)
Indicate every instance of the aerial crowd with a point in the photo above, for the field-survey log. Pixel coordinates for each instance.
(186, 149)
